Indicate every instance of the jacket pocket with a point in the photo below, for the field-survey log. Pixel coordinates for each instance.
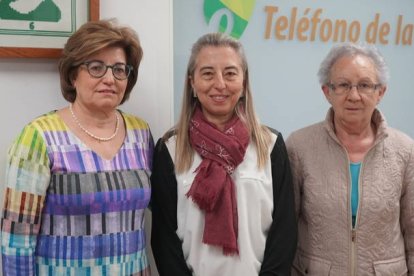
(391, 267)
(310, 265)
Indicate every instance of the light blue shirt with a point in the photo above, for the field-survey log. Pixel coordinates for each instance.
(354, 168)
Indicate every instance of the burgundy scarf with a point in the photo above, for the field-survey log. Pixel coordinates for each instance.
(213, 189)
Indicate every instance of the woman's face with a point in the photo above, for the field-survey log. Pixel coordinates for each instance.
(218, 82)
(354, 108)
(104, 93)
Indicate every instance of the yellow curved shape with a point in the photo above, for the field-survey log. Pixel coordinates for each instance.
(243, 8)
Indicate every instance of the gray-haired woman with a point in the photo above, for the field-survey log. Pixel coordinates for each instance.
(353, 176)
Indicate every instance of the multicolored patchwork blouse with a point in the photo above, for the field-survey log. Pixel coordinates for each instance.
(68, 211)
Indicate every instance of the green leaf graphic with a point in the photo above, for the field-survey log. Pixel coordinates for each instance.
(241, 10)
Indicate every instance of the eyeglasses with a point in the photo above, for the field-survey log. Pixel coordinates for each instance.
(363, 88)
(97, 69)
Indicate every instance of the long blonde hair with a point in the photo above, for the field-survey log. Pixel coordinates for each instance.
(260, 135)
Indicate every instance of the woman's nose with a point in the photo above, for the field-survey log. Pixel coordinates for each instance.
(353, 94)
(108, 76)
(219, 82)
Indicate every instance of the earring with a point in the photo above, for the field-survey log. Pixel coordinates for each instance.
(194, 94)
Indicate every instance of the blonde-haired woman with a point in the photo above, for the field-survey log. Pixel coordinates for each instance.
(222, 196)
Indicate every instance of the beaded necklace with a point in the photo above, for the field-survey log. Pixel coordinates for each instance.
(101, 139)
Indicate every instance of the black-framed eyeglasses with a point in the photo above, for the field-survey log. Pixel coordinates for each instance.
(97, 69)
(363, 88)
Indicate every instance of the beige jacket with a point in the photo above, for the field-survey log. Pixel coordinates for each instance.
(382, 242)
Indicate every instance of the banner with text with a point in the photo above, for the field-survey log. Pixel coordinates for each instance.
(285, 41)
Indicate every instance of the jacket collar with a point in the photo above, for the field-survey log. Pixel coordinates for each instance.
(377, 118)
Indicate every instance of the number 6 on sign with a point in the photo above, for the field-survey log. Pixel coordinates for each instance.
(40, 28)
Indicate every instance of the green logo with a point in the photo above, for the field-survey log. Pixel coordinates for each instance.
(44, 10)
(240, 11)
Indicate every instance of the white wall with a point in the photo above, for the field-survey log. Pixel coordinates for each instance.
(30, 88)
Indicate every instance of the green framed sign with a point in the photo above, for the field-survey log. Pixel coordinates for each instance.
(40, 28)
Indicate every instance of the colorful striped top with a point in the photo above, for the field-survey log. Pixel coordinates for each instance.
(67, 211)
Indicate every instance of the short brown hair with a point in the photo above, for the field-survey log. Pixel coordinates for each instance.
(88, 40)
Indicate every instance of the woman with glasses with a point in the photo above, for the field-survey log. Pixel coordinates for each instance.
(77, 180)
(353, 175)
(222, 200)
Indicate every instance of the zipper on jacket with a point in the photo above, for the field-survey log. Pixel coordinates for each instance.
(353, 257)
(353, 261)
(355, 227)
(353, 252)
